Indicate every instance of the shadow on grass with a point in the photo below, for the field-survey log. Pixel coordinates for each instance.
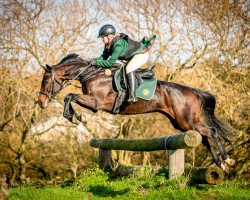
(101, 191)
(68, 183)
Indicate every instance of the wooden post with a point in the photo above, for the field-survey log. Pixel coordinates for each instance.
(176, 163)
(104, 159)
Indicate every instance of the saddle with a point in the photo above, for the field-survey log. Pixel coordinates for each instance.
(145, 85)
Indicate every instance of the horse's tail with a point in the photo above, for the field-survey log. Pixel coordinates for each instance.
(208, 103)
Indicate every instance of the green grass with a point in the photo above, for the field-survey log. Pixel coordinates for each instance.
(96, 184)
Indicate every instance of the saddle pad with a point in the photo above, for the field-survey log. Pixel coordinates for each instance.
(145, 90)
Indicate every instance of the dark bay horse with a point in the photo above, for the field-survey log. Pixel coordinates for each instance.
(184, 106)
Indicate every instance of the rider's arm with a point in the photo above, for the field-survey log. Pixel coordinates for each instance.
(119, 49)
(104, 56)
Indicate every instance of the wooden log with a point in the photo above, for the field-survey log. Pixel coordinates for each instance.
(205, 175)
(199, 175)
(126, 170)
(176, 161)
(173, 142)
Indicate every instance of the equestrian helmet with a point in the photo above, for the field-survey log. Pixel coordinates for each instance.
(107, 29)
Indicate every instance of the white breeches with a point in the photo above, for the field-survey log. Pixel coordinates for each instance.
(136, 62)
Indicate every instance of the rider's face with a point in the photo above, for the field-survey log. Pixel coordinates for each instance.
(105, 39)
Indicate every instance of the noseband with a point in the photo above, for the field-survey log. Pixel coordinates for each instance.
(50, 95)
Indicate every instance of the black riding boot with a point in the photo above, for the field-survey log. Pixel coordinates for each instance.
(131, 87)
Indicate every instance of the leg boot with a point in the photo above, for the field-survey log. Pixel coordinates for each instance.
(131, 87)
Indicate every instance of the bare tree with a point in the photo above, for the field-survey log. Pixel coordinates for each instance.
(33, 32)
(195, 46)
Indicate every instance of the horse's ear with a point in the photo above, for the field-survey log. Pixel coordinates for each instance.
(47, 67)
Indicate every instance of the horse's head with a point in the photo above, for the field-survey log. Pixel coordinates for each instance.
(50, 87)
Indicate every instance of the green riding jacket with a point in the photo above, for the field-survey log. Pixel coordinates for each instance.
(123, 48)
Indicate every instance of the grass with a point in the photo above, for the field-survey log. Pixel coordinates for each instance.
(95, 184)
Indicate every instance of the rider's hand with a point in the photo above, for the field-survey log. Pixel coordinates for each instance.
(91, 61)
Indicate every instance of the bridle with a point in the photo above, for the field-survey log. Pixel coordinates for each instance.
(55, 80)
(50, 95)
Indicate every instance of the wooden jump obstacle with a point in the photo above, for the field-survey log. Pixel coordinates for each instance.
(175, 144)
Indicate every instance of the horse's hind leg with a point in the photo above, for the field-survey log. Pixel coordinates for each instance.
(206, 134)
(207, 141)
(223, 153)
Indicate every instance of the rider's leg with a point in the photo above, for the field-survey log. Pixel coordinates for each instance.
(136, 62)
(131, 87)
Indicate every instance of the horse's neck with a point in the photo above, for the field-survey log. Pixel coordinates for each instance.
(73, 71)
(79, 71)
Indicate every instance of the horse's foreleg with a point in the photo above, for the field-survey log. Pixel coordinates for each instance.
(68, 112)
(86, 101)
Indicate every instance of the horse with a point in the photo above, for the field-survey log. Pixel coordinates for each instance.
(183, 106)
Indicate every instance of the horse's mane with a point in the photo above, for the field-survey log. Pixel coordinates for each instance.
(71, 58)
(77, 59)
(91, 71)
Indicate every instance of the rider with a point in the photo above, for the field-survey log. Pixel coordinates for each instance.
(118, 46)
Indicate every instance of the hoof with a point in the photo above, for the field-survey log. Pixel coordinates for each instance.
(224, 168)
(230, 161)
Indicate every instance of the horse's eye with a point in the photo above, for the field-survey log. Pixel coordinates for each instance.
(45, 82)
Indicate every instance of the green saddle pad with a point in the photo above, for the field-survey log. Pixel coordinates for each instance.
(145, 90)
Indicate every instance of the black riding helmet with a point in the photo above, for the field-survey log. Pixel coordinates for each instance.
(107, 29)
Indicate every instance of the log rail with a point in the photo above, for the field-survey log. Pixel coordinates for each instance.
(174, 144)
